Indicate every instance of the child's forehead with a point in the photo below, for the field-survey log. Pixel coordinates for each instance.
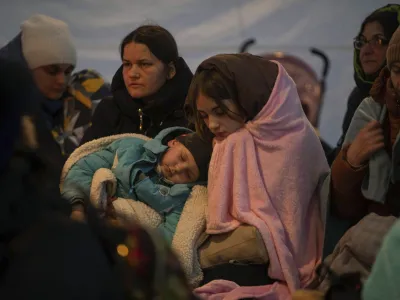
(180, 146)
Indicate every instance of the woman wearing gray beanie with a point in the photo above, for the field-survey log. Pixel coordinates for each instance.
(45, 47)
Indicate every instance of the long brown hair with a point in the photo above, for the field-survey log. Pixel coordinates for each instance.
(213, 85)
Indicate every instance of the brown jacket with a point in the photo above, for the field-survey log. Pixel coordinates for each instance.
(347, 199)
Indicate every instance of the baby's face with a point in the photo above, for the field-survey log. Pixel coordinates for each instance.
(178, 164)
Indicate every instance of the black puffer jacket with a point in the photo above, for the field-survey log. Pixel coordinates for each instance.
(123, 114)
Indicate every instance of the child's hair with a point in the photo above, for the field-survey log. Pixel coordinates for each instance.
(213, 85)
(201, 151)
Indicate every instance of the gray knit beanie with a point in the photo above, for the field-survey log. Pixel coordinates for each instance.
(47, 41)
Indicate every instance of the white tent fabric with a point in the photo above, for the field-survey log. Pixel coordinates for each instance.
(206, 27)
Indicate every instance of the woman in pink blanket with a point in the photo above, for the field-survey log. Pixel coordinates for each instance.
(266, 168)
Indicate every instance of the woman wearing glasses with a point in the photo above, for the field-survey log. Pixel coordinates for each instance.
(370, 47)
(365, 176)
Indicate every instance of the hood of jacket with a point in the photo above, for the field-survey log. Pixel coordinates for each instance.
(159, 144)
(12, 53)
(50, 109)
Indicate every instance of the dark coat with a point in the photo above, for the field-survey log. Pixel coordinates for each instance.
(45, 112)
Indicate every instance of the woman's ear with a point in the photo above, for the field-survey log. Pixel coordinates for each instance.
(171, 70)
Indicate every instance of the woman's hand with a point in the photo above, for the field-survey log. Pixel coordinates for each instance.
(368, 141)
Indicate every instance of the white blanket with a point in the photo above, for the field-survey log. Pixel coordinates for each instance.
(191, 224)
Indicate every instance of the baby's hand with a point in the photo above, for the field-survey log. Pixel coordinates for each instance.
(141, 177)
(78, 216)
(78, 213)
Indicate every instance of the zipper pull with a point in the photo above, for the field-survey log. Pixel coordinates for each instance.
(140, 119)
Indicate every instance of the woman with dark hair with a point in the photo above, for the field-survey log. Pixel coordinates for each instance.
(370, 47)
(365, 173)
(149, 89)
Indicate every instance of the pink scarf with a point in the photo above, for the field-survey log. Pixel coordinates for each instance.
(267, 174)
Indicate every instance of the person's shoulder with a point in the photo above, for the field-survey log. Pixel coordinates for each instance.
(369, 104)
(107, 104)
(107, 111)
(128, 147)
(128, 140)
(355, 97)
(394, 233)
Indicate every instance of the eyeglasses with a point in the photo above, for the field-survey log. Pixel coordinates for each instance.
(360, 42)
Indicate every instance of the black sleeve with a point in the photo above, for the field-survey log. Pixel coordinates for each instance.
(103, 121)
(354, 100)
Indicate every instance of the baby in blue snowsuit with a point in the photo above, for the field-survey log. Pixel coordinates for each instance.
(160, 172)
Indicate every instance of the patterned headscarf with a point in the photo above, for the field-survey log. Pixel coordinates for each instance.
(85, 91)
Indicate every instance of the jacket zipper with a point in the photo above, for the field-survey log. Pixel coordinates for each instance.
(166, 117)
(140, 112)
(140, 119)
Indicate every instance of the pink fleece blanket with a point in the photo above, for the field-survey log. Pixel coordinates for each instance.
(267, 175)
